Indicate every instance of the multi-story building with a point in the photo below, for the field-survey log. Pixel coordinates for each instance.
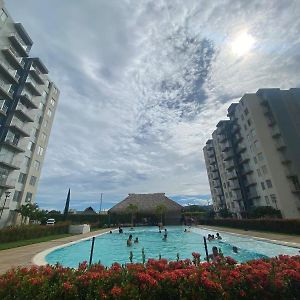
(257, 153)
(28, 100)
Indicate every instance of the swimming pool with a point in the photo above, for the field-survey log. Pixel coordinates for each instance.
(110, 248)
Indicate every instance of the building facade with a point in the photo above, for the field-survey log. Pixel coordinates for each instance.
(257, 154)
(28, 100)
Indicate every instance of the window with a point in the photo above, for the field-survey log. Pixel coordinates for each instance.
(40, 150)
(45, 123)
(256, 145)
(43, 137)
(263, 186)
(17, 196)
(44, 94)
(230, 194)
(52, 101)
(273, 199)
(246, 111)
(49, 112)
(260, 156)
(255, 159)
(264, 169)
(245, 126)
(26, 161)
(3, 15)
(253, 133)
(242, 117)
(269, 183)
(258, 172)
(22, 178)
(32, 180)
(36, 165)
(28, 197)
(40, 120)
(267, 200)
(30, 146)
(249, 122)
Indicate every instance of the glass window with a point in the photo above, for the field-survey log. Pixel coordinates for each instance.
(45, 123)
(263, 185)
(17, 196)
(264, 169)
(3, 15)
(32, 180)
(245, 126)
(43, 137)
(49, 112)
(269, 183)
(26, 161)
(41, 106)
(260, 156)
(246, 111)
(249, 122)
(253, 133)
(30, 146)
(242, 117)
(28, 197)
(36, 165)
(273, 199)
(258, 172)
(267, 200)
(40, 150)
(22, 178)
(255, 159)
(52, 101)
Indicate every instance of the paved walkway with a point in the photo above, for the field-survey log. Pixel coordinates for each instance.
(284, 239)
(22, 256)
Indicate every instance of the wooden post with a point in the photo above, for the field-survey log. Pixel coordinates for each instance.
(92, 250)
(206, 251)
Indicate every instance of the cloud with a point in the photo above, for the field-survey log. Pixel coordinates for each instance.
(143, 84)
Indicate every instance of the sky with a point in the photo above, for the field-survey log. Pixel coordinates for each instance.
(144, 83)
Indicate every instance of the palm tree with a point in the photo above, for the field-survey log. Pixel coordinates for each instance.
(160, 210)
(132, 208)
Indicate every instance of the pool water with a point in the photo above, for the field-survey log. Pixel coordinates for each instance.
(110, 248)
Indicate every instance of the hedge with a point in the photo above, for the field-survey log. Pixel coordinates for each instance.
(273, 278)
(24, 232)
(291, 226)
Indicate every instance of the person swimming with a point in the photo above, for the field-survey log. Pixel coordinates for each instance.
(136, 240)
(218, 236)
(215, 253)
(129, 241)
(110, 232)
(235, 249)
(120, 230)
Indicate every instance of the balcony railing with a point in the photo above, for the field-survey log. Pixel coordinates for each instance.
(34, 88)
(210, 153)
(5, 89)
(28, 99)
(20, 126)
(231, 175)
(218, 191)
(228, 154)
(246, 169)
(253, 194)
(229, 164)
(237, 195)
(10, 74)
(225, 146)
(24, 112)
(3, 107)
(13, 143)
(215, 175)
(250, 180)
(235, 185)
(213, 168)
(21, 47)
(243, 158)
(38, 76)
(280, 144)
(211, 160)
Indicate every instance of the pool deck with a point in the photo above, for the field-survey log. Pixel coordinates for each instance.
(278, 238)
(22, 256)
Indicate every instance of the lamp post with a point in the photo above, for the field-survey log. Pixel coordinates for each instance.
(7, 194)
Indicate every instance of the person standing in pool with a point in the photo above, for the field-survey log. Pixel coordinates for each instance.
(165, 235)
(136, 241)
(120, 230)
(129, 241)
(215, 253)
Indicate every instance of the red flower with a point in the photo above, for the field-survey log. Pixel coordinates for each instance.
(116, 291)
(67, 286)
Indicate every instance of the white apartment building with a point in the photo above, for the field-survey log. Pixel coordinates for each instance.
(259, 149)
(28, 100)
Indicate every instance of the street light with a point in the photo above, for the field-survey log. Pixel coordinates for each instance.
(7, 194)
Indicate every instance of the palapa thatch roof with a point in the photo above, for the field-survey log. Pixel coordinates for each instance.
(146, 203)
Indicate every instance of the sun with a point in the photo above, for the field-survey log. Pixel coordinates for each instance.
(242, 44)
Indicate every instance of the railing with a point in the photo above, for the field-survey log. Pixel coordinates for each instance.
(231, 174)
(3, 106)
(20, 41)
(236, 195)
(19, 124)
(11, 71)
(24, 109)
(210, 153)
(235, 185)
(29, 80)
(229, 164)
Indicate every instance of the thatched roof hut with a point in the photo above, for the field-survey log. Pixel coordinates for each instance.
(147, 205)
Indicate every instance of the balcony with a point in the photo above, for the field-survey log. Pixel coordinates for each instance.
(210, 153)
(225, 146)
(246, 169)
(38, 76)
(215, 175)
(12, 143)
(243, 158)
(232, 175)
(33, 87)
(28, 100)
(218, 191)
(240, 148)
(228, 155)
(19, 126)
(222, 138)
(5, 90)
(235, 185)
(19, 44)
(280, 144)
(8, 165)
(212, 160)
(3, 107)
(24, 113)
(8, 73)
(253, 194)
(5, 186)
(250, 181)
(216, 183)
(238, 138)
(235, 128)
(229, 164)
(213, 168)
(13, 58)
(236, 196)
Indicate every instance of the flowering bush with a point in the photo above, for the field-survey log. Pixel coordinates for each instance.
(274, 278)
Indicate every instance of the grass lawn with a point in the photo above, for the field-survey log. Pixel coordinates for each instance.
(10, 245)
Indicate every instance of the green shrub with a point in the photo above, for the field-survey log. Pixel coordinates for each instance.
(291, 226)
(25, 232)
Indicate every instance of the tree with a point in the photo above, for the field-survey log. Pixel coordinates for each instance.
(31, 211)
(265, 211)
(132, 209)
(160, 210)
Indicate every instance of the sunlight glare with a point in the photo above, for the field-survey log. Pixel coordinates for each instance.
(242, 44)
